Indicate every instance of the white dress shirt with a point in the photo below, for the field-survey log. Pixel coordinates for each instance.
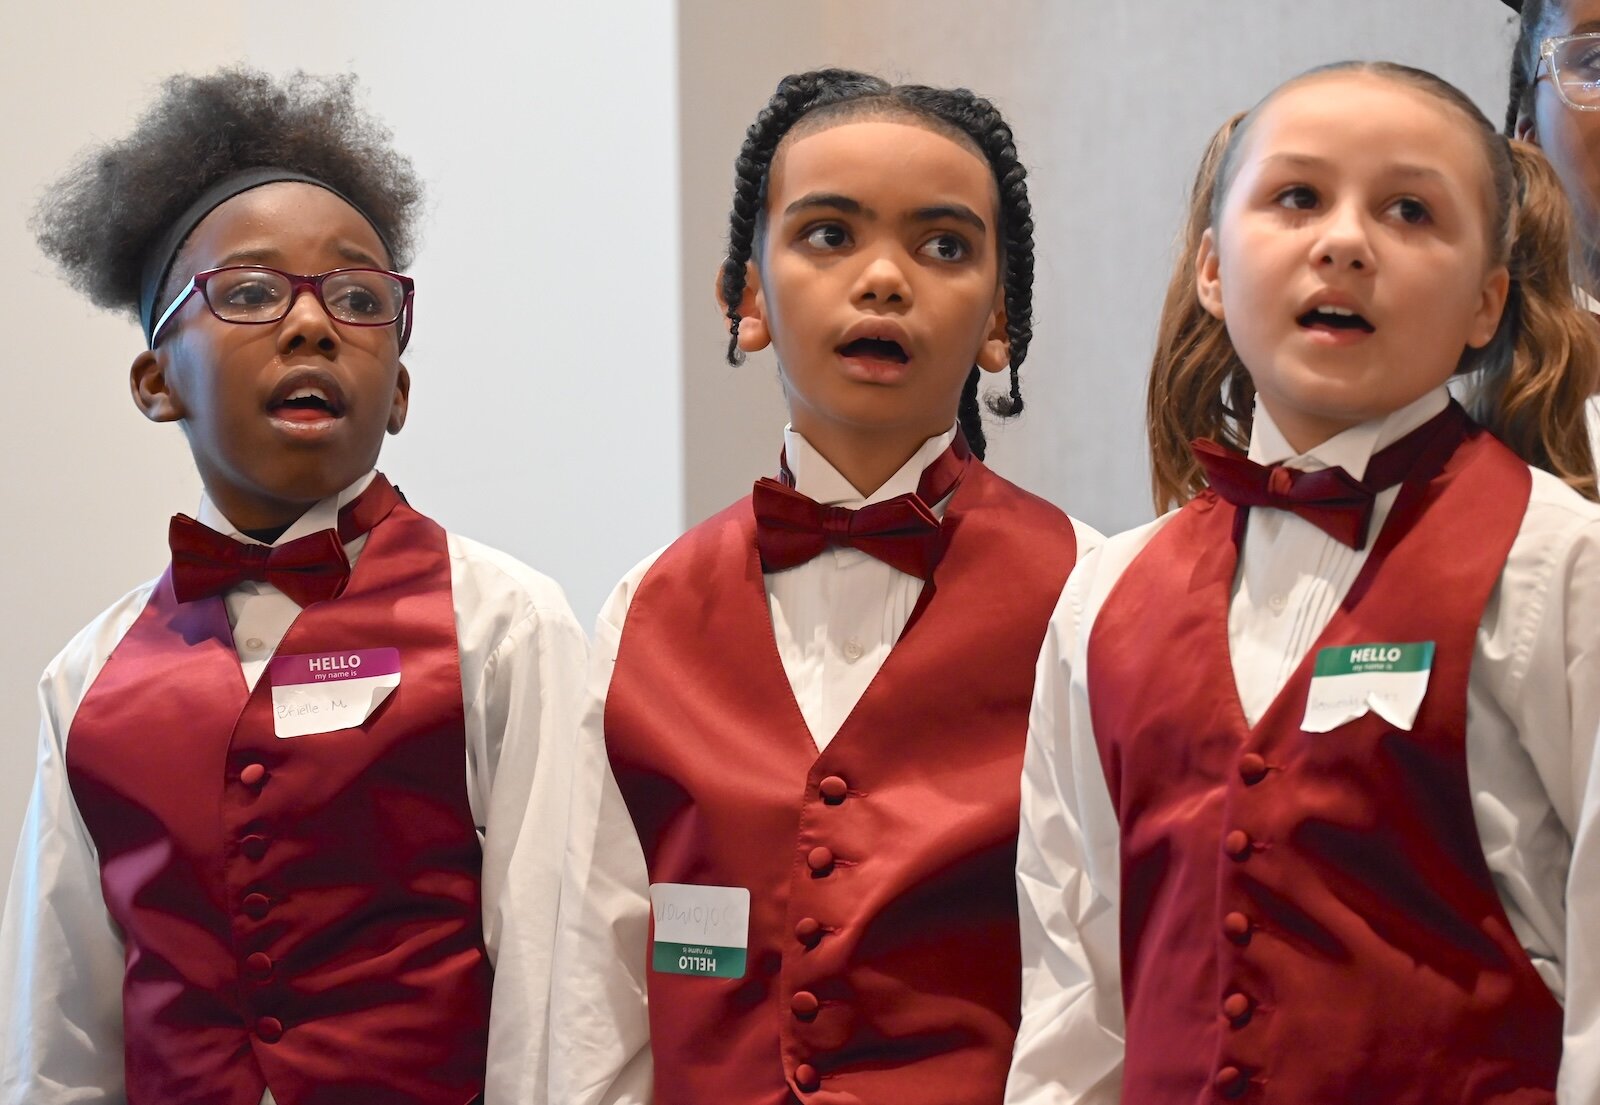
(522, 660)
(1532, 714)
(835, 618)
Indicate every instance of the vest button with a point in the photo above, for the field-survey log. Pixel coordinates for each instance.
(258, 965)
(1237, 844)
(1252, 768)
(253, 775)
(805, 1076)
(1237, 926)
(819, 859)
(804, 1005)
(808, 930)
(833, 790)
(254, 846)
(1236, 1007)
(256, 906)
(269, 1029)
(1232, 1082)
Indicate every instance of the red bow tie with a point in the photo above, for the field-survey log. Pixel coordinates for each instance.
(309, 569)
(1330, 498)
(903, 532)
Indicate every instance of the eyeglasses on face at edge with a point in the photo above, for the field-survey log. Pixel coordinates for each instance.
(1574, 65)
(253, 295)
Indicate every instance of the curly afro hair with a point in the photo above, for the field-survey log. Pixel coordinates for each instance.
(101, 218)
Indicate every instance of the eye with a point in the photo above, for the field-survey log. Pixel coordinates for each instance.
(946, 247)
(826, 236)
(1297, 197)
(355, 302)
(253, 292)
(1411, 210)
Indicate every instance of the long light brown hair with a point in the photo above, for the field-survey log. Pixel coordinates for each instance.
(1528, 385)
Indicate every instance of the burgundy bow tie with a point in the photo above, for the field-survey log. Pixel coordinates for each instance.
(1330, 498)
(903, 532)
(308, 569)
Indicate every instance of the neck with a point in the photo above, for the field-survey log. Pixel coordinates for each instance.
(867, 460)
(1304, 431)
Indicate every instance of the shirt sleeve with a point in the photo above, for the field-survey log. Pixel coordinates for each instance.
(600, 1033)
(1070, 1043)
(61, 956)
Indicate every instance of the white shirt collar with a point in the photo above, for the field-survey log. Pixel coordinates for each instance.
(820, 481)
(1350, 450)
(323, 515)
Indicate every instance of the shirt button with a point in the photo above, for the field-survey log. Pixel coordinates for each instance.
(270, 1029)
(1252, 768)
(833, 790)
(254, 846)
(1232, 1082)
(1237, 844)
(254, 644)
(1277, 602)
(853, 650)
(258, 966)
(804, 1005)
(1236, 1007)
(808, 930)
(1237, 926)
(819, 859)
(805, 1076)
(256, 906)
(253, 775)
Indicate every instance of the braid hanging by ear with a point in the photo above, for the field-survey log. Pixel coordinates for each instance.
(1016, 224)
(795, 95)
(970, 415)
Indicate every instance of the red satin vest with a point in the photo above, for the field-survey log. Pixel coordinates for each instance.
(883, 962)
(313, 927)
(1308, 917)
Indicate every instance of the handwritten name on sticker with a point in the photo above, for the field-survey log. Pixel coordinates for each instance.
(700, 930)
(326, 692)
(1388, 679)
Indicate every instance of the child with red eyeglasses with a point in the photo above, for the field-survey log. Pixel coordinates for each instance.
(278, 785)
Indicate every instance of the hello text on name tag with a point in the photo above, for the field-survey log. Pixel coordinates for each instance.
(322, 692)
(1387, 679)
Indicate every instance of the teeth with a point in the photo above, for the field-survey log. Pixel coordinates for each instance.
(308, 393)
(1343, 312)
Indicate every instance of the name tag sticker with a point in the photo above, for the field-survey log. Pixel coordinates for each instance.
(322, 692)
(700, 930)
(1349, 680)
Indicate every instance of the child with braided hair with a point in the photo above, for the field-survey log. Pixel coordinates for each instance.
(1337, 838)
(795, 806)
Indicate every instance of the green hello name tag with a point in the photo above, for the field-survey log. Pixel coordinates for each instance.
(1387, 679)
(700, 930)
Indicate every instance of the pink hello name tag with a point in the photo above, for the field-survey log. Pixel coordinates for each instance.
(322, 692)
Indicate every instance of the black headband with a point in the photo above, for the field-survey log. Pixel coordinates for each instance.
(159, 258)
(1514, 5)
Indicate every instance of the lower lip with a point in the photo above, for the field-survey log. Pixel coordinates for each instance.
(1328, 336)
(875, 370)
(303, 421)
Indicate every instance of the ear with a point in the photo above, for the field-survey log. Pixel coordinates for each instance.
(402, 400)
(754, 333)
(1491, 305)
(152, 389)
(994, 355)
(1208, 275)
(1524, 128)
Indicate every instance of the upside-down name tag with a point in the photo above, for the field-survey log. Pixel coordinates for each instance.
(700, 930)
(320, 692)
(1349, 680)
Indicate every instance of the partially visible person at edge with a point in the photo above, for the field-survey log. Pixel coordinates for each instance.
(805, 732)
(278, 785)
(1555, 104)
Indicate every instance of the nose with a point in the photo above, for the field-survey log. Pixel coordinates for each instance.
(307, 324)
(1343, 241)
(882, 282)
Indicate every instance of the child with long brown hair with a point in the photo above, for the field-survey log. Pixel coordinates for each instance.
(1335, 837)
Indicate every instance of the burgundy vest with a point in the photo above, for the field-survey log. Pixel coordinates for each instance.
(891, 902)
(1308, 917)
(315, 927)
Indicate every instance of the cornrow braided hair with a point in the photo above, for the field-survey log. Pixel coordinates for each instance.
(1524, 59)
(956, 112)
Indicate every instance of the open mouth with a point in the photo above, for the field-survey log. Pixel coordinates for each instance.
(1334, 318)
(307, 401)
(874, 349)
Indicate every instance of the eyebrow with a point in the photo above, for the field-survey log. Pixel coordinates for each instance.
(833, 201)
(1302, 160)
(267, 255)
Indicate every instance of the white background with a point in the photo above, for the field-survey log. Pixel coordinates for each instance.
(579, 162)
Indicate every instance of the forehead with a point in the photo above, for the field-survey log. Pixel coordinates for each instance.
(1570, 15)
(1364, 122)
(891, 162)
(286, 224)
